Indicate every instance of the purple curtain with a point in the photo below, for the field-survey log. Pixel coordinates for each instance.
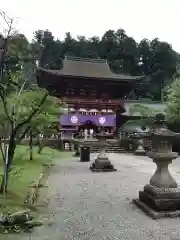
(79, 119)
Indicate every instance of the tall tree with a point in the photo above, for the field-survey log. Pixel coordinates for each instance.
(19, 105)
(108, 44)
(163, 64)
(48, 50)
(173, 101)
(145, 57)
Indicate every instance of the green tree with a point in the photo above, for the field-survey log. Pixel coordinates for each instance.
(173, 101)
(18, 105)
(48, 50)
(145, 57)
(163, 65)
(141, 110)
(46, 121)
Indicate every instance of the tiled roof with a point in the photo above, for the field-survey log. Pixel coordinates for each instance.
(90, 68)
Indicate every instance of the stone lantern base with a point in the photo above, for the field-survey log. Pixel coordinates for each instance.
(102, 164)
(159, 202)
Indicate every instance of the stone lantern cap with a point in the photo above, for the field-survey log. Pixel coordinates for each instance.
(162, 131)
(159, 129)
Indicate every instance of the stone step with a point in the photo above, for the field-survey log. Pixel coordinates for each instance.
(107, 147)
(115, 146)
(116, 149)
(110, 151)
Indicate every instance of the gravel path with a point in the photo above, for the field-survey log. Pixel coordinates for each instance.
(97, 206)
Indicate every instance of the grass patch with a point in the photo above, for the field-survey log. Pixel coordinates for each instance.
(24, 173)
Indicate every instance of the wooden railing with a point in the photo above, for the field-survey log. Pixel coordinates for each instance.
(93, 103)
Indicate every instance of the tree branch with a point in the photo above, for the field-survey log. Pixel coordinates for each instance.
(3, 98)
(18, 93)
(28, 119)
(9, 22)
(24, 133)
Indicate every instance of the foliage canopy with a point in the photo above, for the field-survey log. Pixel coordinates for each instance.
(173, 101)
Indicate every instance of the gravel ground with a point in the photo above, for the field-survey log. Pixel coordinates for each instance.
(96, 206)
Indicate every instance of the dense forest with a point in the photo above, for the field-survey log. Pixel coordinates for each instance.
(155, 59)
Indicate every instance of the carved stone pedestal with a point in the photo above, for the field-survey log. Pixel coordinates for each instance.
(140, 151)
(102, 163)
(159, 202)
(160, 198)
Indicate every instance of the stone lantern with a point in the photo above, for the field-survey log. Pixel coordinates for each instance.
(102, 162)
(161, 197)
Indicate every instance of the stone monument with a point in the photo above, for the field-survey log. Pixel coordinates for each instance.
(161, 197)
(102, 163)
(142, 144)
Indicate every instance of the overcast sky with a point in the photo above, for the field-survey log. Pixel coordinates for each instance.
(139, 18)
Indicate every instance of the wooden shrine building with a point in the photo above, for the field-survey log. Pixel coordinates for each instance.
(93, 93)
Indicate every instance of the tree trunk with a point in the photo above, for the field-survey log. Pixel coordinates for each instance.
(31, 146)
(10, 150)
(40, 148)
(40, 145)
(162, 92)
(4, 182)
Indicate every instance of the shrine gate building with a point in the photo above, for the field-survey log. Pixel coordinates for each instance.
(93, 93)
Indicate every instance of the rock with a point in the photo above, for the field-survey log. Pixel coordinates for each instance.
(40, 185)
(3, 219)
(45, 164)
(16, 229)
(2, 229)
(48, 165)
(35, 185)
(19, 217)
(33, 223)
(6, 231)
(15, 222)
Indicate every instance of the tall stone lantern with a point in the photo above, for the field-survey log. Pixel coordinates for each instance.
(161, 197)
(102, 162)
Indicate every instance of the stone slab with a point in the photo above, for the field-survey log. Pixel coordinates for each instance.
(93, 169)
(104, 158)
(140, 153)
(153, 213)
(163, 193)
(160, 204)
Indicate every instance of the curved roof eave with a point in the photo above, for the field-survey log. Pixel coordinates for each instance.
(116, 77)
